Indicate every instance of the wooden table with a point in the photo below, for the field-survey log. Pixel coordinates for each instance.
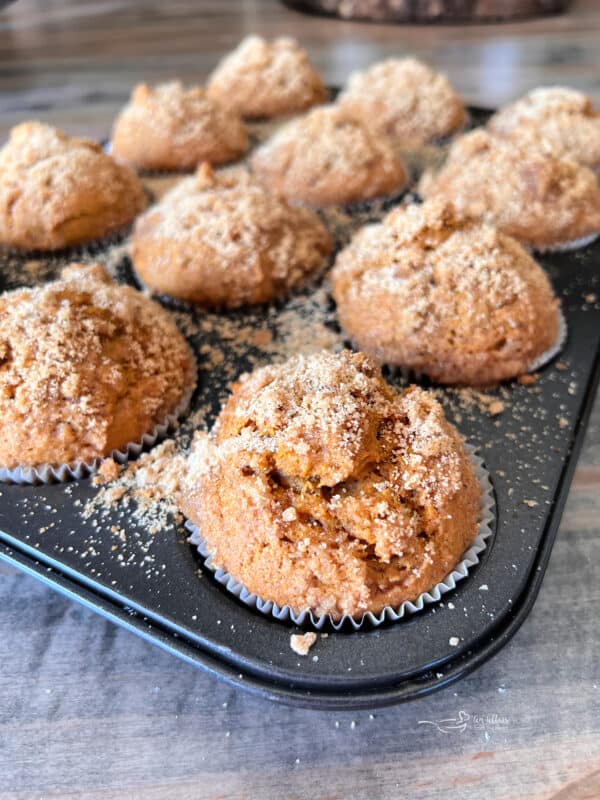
(88, 710)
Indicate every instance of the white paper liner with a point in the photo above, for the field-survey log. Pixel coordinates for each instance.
(487, 512)
(76, 470)
(558, 345)
(574, 244)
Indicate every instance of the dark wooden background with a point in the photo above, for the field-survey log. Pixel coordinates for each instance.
(88, 710)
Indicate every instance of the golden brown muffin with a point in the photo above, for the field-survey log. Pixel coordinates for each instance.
(329, 157)
(86, 366)
(563, 116)
(455, 300)
(523, 186)
(58, 191)
(323, 488)
(172, 128)
(224, 240)
(261, 79)
(406, 100)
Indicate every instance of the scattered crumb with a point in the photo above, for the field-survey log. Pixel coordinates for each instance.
(531, 503)
(302, 642)
(495, 408)
(454, 641)
(527, 379)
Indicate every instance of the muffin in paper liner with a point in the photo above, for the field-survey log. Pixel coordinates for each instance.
(76, 470)
(487, 516)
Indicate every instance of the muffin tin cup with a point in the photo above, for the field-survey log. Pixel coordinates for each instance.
(76, 470)
(471, 557)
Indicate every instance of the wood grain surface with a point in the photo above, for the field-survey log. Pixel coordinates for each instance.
(89, 711)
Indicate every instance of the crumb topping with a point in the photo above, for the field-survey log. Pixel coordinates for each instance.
(405, 99)
(562, 116)
(85, 367)
(329, 156)
(57, 190)
(523, 185)
(171, 127)
(455, 299)
(224, 240)
(265, 79)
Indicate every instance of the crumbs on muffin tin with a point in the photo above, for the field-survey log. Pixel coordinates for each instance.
(134, 508)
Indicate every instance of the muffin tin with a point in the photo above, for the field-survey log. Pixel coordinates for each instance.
(156, 585)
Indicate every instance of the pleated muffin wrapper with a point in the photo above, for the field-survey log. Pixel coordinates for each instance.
(487, 516)
(76, 470)
(412, 375)
(565, 247)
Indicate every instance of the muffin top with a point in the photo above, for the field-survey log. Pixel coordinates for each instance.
(522, 185)
(323, 488)
(169, 127)
(57, 191)
(454, 299)
(86, 366)
(405, 99)
(261, 79)
(329, 157)
(563, 116)
(224, 240)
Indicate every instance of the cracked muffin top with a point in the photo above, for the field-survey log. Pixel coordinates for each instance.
(329, 157)
(521, 185)
(563, 116)
(406, 100)
(321, 487)
(58, 191)
(169, 127)
(450, 298)
(223, 240)
(86, 366)
(261, 79)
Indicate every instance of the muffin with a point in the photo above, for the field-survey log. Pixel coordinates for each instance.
(406, 100)
(86, 366)
(173, 128)
(522, 185)
(262, 79)
(58, 191)
(452, 299)
(329, 157)
(322, 488)
(223, 240)
(563, 116)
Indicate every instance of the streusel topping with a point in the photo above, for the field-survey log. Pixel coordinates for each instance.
(267, 79)
(85, 367)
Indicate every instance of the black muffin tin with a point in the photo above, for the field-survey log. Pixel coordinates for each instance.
(156, 586)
